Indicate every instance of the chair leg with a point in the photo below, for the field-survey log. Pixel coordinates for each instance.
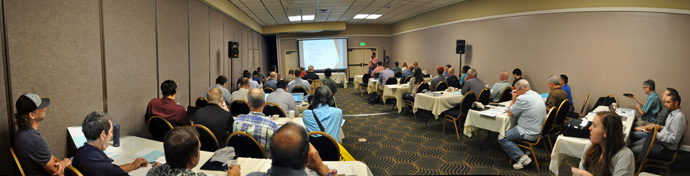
(444, 126)
(534, 156)
(456, 129)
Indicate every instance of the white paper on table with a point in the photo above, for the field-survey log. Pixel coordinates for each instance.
(493, 112)
(343, 169)
(146, 154)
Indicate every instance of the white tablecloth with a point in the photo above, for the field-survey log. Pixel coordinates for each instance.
(373, 85)
(337, 77)
(436, 104)
(357, 80)
(250, 165)
(130, 145)
(396, 91)
(500, 123)
(573, 146)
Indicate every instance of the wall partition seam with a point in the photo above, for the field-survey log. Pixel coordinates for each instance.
(189, 55)
(8, 82)
(103, 73)
(209, 47)
(158, 74)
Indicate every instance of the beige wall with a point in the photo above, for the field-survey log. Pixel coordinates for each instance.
(602, 52)
(55, 51)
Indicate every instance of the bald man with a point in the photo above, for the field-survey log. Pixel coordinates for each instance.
(409, 72)
(453, 80)
(310, 74)
(272, 81)
(499, 86)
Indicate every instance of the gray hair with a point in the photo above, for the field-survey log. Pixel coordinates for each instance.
(322, 96)
(95, 123)
(472, 72)
(523, 84)
(504, 75)
(553, 80)
(255, 98)
(650, 83)
(214, 95)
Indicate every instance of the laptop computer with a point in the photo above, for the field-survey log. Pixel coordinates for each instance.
(299, 97)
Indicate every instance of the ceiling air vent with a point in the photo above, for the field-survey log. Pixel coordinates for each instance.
(323, 11)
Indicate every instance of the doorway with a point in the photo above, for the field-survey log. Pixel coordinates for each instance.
(358, 60)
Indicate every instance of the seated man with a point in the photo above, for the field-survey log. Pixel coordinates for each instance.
(378, 69)
(670, 135)
(409, 72)
(166, 107)
(310, 74)
(31, 148)
(528, 107)
(283, 99)
(497, 89)
(445, 74)
(453, 80)
(517, 73)
(241, 94)
(90, 158)
(272, 80)
(566, 88)
(385, 74)
(244, 75)
(473, 83)
(649, 108)
(327, 81)
(640, 133)
(290, 76)
(253, 80)
(438, 78)
(396, 69)
(260, 74)
(298, 82)
(255, 77)
(181, 146)
(222, 84)
(330, 117)
(214, 117)
(464, 71)
(291, 153)
(557, 95)
(256, 123)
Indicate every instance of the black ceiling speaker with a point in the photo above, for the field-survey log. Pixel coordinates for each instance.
(460, 47)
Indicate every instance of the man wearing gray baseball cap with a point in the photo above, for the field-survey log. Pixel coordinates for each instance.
(32, 148)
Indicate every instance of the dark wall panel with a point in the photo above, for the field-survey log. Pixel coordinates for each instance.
(198, 49)
(130, 58)
(173, 51)
(217, 53)
(55, 52)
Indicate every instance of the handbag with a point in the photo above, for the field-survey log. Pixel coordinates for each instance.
(576, 128)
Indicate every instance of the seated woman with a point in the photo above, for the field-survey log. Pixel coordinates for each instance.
(415, 81)
(607, 154)
(321, 107)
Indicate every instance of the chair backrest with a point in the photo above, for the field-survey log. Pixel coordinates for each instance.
(71, 171)
(272, 108)
(208, 140)
(406, 79)
(615, 100)
(398, 74)
(309, 80)
(326, 145)
(16, 161)
(548, 124)
(238, 107)
(268, 90)
(365, 79)
(191, 110)
(299, 89)
(582, 110)
(376, 75)
(391, 80)
(422, 86)
(455, 83)
(673, 158)
(485, 96)
(646, 150)
(505, 95)
(561, 113)
(158, 126)
(467, 101)
(201, 102)
(605, 101)
(245, 145)
(441, 86)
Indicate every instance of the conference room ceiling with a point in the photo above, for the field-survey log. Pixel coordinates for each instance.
(276, 12)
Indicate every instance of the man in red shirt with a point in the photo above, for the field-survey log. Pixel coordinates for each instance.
(166, 107)
(372, 62)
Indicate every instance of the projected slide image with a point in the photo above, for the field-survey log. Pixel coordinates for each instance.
(323, 53)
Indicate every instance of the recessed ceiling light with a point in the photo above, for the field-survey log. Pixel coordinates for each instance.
(373, 16)
(295, 18)
(360, 16)
(307, 17)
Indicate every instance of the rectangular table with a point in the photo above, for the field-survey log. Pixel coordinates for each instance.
(436, 104)
(249, 165)
(373, 85)
(574, 146)
(357, 80)
(396, 91)
(499, 124)
(337, 77)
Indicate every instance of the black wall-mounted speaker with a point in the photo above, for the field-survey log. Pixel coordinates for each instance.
(460, 47)
(233, 50)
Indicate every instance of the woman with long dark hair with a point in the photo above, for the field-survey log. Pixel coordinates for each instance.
(415, 81)
(607, 155)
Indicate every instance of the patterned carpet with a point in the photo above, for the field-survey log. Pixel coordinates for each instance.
(400, 144)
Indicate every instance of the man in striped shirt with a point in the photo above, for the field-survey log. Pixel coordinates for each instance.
(256, 123)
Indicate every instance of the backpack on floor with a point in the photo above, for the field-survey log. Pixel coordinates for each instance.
(374, 99)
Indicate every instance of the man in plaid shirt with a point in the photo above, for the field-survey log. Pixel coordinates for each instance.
(256, 123)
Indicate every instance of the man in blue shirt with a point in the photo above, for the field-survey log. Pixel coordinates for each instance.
(90, 158)
(566, 88)
(222, 83)
(649, 108)
(272, 81)
(256, 123)
(408, 72)
(464, 73)
(31, 148)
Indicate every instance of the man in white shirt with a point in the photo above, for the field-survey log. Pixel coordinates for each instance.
(298, 81)
(241, 94)
(222, 83)
(670, 135)
(282, 98)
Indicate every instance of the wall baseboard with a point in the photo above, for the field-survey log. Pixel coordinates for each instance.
(685, 148)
